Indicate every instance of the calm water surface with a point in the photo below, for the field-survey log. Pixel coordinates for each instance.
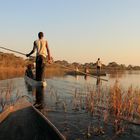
(62, 102)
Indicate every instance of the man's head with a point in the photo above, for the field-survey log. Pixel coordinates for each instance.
(40, 35)
(98, 58)
(29, 66)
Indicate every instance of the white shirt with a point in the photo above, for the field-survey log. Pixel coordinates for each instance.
(99, 63)
(40, 46)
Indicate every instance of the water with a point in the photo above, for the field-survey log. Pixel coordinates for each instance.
(64, 103)
(126, 78)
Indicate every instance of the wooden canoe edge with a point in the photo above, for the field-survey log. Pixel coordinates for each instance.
(18, 105)
(51, 124)
(6, 113)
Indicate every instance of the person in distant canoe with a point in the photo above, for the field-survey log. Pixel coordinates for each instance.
(99, 65)
(86, 70)
(76, 70)
(42, 49)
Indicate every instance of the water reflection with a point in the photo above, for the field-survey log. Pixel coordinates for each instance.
(29, 87)
(76, 99)
(98, 85)
(86, 77)
(39, 102)
(10, 73)
(98, 81)
(38, 94)
(76, 77)
(117, 74)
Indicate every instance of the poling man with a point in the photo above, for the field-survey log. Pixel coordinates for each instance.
(42, 52)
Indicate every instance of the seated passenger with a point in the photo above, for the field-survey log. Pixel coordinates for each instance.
(29, 71)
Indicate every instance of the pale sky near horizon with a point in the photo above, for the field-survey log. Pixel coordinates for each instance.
(76, 30)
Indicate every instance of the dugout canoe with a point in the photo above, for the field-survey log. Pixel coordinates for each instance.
(35, 83)
(23, 121)
(83, 73)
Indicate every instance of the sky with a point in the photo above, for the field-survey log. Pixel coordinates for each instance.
(76, 30)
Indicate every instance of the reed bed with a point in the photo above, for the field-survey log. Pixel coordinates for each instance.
(11, 72)
(88, 111)
(7, 98)
(109, 110)
(54, 71)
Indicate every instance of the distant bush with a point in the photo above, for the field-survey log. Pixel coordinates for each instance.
(10, 60)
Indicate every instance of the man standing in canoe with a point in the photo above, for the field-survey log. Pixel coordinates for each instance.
(42, 52)
(99, 65)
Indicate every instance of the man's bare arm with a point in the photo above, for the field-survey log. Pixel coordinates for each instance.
(33, 50)
(48, 51)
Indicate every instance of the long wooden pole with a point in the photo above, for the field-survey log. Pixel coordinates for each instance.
(12, 50)
(55, 63)
(82, 72)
